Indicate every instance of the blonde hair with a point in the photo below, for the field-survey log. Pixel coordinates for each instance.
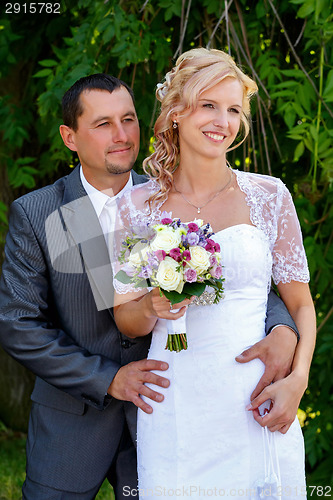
(196, 71)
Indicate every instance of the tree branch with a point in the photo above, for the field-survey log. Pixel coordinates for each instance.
(299, 62)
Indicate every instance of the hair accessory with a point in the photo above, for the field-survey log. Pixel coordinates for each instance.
(175, 124)
(211, 199)
(161, 90)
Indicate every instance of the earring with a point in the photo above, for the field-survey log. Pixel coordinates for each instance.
(175, 124)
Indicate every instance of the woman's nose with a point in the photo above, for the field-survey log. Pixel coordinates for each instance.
(221, 120)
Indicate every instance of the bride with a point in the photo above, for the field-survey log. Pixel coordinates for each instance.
(207, 436)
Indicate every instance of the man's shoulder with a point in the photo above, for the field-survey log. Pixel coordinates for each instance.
(46, 197)
(139, 179)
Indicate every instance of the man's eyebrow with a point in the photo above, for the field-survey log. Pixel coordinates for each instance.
(109, 118)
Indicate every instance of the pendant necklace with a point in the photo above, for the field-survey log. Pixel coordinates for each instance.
(211, 199)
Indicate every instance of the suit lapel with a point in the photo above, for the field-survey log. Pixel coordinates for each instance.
(82, 223)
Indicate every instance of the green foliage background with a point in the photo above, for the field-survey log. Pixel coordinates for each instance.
(286, 45)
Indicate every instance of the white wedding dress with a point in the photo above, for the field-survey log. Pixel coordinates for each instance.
(200, 441)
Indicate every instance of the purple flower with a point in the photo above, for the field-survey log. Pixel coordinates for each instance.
(145, 272)
(129, 269)
(175, 254)
(192, 227)
(190, 275)
(166, 221)
(216, 272)
(192, 238)
(160, 254)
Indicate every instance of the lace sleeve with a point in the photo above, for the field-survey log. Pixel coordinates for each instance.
(122, 231)
(289, 259)
(132, 222)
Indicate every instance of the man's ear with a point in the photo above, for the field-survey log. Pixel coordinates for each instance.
(68, 136)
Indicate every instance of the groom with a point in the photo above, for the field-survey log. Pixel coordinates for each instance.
(56, 309)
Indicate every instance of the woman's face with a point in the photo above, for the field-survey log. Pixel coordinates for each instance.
(213, 126)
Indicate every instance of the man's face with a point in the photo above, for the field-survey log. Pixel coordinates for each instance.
(107, 138)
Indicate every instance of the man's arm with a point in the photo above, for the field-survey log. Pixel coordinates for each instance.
(278, 314)
(27, 332)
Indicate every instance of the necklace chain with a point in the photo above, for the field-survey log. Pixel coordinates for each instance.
(211, 199)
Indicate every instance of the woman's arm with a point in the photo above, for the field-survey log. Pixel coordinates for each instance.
(286, 394)
(136, 314)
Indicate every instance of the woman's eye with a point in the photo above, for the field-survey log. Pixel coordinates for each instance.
(208, 105)
(234, 110)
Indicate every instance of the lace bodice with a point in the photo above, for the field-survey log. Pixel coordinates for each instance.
(272, 211)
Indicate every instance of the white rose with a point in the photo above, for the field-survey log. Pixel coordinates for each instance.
(199, 222)
(168, 277)
(138, 254)
(166, 239)
(199, 259)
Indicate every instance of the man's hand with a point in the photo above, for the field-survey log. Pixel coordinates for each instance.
(276, 351)
(129, 382)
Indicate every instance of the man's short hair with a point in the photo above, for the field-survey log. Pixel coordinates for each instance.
(71, 104)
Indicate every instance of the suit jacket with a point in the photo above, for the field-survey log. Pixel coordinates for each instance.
(56, 319)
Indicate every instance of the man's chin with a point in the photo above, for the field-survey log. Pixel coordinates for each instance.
(118, 169)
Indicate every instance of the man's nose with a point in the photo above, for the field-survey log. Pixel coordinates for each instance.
(118, 133)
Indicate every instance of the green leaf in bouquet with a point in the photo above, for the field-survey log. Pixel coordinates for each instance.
(123, 277)
(142, 284)
(194, 289)
(188, 290)
(175, 297)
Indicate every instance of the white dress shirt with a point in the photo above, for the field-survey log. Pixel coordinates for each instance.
(105, 206)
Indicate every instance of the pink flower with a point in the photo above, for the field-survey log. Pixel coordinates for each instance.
(160, 254)
(210, 246)
(175, 254)
(186, 255)
(216, 272)
(192, 227)
(190, 275)
(166, 221)
(213, 260)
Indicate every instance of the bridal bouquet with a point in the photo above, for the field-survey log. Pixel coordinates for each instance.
(181, 259)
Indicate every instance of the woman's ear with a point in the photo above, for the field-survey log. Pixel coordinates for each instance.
(175, 117)
(68, 136)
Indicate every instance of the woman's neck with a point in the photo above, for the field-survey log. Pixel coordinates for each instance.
(198, 178)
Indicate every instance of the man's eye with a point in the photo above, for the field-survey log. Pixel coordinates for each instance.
(102, 124)
(128, 119)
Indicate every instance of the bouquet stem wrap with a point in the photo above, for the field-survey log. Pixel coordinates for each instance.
(177, 340)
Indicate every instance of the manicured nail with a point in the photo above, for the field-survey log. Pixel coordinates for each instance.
(249, 407)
